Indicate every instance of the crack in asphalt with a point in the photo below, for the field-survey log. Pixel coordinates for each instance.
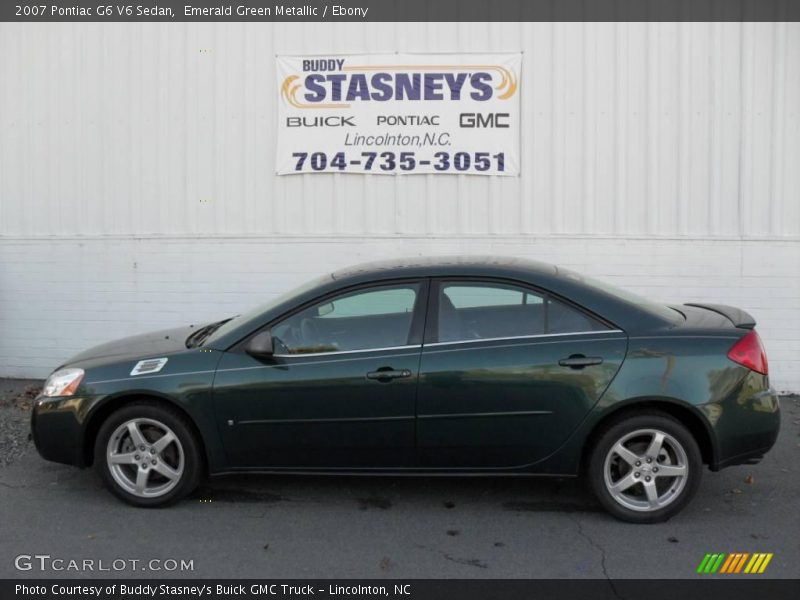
(12, 487)
(602, 551)
(470, 562)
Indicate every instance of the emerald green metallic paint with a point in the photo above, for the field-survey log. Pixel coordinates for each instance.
(484, 406)
(317, 411)
(479, 403)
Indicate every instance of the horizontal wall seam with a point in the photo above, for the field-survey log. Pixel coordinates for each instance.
(348, 238)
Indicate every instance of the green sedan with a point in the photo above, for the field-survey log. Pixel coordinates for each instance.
(479, 366)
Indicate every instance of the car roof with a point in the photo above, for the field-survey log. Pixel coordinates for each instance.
(444, 265)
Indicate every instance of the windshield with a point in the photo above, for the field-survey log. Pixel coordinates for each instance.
(660, 310)
(254, 314)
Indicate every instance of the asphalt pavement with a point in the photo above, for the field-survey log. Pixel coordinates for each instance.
(303, 527)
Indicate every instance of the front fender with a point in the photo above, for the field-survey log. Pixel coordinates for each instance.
(64, 428)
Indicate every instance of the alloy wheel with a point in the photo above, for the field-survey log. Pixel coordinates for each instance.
(646, 470)
(145, 457)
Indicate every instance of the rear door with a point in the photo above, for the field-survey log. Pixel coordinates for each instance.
(339, 391)
(507, 373)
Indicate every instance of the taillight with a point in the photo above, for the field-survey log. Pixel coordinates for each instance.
(749, 352)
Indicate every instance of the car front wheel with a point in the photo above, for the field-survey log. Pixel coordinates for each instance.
(645, 467)
(147, 455)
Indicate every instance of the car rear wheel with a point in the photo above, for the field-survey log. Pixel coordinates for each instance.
(645, 467)
(147, 455)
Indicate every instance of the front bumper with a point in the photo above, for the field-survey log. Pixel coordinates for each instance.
(57, 428)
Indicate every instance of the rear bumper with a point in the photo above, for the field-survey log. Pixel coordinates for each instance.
(57, 429)
(750, 457)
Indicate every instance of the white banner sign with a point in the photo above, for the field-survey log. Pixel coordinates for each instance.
(396, 114)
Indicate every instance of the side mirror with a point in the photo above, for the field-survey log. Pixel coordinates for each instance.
(261, 344)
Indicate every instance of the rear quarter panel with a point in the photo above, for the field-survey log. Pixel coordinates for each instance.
(737, 409)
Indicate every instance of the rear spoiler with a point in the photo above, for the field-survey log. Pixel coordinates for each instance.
(737, 316)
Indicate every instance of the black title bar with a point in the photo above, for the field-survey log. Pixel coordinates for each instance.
(399, 10)
(730, 588)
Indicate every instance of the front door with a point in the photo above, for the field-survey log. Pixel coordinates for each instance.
(507, 373)
(339, 391)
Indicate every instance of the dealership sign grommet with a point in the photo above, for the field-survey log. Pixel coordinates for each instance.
(399, 114)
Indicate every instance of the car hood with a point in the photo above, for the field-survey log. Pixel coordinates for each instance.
(146, 345)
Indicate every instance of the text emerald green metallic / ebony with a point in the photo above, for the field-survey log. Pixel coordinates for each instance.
(428, 366)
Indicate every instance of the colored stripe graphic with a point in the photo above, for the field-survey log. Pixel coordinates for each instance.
(759, 563)
(734, 563)
(728, 564)
(764, 564)
(719, 562)
(741, 562)
(703, 563)
(754, 563)
(712, 567)
(710, 563)
(734, 560)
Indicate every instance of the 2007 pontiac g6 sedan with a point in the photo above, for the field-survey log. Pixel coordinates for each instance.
(450, 366)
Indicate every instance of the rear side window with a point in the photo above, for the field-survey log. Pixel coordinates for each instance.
(563, 318)
(475, 311)
(474, 296)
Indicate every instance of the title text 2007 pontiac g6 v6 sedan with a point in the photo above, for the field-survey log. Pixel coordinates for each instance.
(450, 366)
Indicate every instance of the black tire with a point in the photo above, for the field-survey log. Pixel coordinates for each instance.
(627, 425)
(192, 462)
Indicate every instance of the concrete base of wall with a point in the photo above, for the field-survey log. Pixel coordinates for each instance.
(61, 295)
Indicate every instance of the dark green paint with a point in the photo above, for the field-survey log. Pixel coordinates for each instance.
(483, 406)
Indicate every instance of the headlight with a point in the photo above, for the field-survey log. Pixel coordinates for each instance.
(63, 382)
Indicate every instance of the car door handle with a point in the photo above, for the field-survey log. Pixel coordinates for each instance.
(579, 361)
(388, 374)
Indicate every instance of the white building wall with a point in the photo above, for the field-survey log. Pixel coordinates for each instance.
(137, 186)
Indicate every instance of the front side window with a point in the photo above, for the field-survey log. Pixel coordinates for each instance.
(377, 317)
(475, 311)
